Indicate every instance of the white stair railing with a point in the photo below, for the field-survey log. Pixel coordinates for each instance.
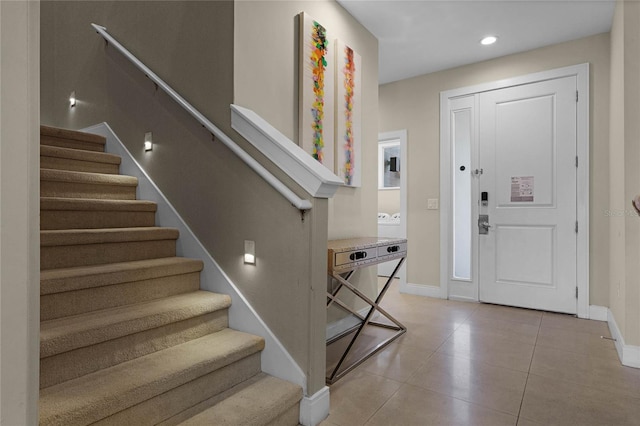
(299, 203)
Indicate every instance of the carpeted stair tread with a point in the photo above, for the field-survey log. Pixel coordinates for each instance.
(68, 248)
(95, 396)
(71, 134)
(87, 178)
(68, 333)
(71, 138)
(257, 401)
(64, 237)
(82, 184)
(79, 154)
(87, 213)
(88, 204)
(83, 277)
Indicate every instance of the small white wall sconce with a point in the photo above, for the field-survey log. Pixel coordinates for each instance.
(148, 141)
(249, 252)
(72, 99)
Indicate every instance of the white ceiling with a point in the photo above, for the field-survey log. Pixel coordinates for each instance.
(423, 36)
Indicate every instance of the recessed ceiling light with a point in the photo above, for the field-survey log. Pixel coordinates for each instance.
(488, 40)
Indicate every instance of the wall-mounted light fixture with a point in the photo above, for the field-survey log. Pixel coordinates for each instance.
(148, 141)
(393, 164)
(72, 99)
(250, 252)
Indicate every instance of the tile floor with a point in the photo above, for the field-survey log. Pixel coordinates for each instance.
(478, 364)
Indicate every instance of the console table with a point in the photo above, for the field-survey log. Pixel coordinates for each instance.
(345, 257)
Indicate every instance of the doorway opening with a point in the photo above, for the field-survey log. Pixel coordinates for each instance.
(392, 195)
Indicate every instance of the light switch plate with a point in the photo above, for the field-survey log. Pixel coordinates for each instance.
(432, 204)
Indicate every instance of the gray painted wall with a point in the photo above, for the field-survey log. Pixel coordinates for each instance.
(190, 45)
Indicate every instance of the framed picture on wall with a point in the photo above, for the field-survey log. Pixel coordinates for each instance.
(316, 92)
(348, 114)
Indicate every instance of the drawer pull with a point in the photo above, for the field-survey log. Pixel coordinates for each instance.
(393, 249)
(357, 255)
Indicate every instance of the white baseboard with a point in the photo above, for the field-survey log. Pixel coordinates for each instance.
(463, 298)
(315, 408)
(629, 355)
(598, 313)
(465, 291)
(276, 360)
(422, 290)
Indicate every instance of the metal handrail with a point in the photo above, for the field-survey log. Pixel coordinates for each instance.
(299, 203)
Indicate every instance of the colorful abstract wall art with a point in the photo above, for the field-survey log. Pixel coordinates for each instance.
(317, 91)
(348, 114)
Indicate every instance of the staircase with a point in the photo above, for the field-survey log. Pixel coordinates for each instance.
(126, 335)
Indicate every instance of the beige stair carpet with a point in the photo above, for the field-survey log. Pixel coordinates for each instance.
(127, 337)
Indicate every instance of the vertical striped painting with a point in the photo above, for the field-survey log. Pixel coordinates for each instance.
(348, 114)
(316, 88)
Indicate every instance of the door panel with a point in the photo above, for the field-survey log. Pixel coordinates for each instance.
(527, 149)
(536, 244)
(525, 146)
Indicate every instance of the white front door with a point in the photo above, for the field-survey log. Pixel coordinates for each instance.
(527, 162)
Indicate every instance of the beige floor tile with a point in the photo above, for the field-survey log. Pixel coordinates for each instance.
(608, 375)
(569, 322)
(491, 387)
(516, 331)
(465, 364)
(490, 349)
(552, 401)
(370, 338)
(506, 313)
(452, 318)
(357, 396)
(397, 362)
(577, 341)
(426, 311)
(526, 422)
(429, 338)
(433, 324)
(414, 406)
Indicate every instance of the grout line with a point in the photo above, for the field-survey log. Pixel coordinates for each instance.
(385, 403)
(524, 391)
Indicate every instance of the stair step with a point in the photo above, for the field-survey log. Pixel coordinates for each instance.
(72, 291)
(71, 139)
(82, 213)
(157, 386)
(62, 183)
(74, 346)
(84, 247)
(65, 334)
(54, 157)
(261, 400)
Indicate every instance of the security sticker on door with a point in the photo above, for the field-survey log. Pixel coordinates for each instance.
(521, 189)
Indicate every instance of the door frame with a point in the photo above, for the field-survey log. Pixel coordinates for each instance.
(581, 72)
(402, 136)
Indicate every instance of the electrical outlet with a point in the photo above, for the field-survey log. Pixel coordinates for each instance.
(432, 204)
